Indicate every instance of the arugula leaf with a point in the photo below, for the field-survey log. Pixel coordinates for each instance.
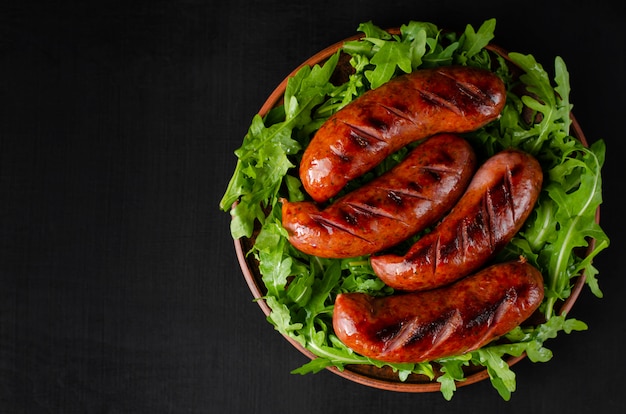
(501, 376)
(274, 266)
(419, 44)
(575, 214)
(280, 317)
(373, 31)
(473, 42)
(314, 366)
(331, 275)
(452, 372)
(263, 158)
(390, 56)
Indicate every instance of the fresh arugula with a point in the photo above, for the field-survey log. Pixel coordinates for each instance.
(263, 159)
(301, 288)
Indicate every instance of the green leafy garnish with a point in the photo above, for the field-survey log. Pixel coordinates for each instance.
(263, 159)
(300, 289)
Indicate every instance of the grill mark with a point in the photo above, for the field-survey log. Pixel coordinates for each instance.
(493, 315)
(441, 169)
(465, 242)
(387, 333)
(407, 331)
(394, 197)
(446, 328)
(437, 254)
(399, 113)
(343, 157)
(378, 124)
(469, 89)
(359, 131)
(405, 193)
(437, 100)
(414, 187)
(360, 140)
(412, 331)
(374, 211)
(433, 173)
(328, 223)
(508, 188)
(487, 206)
(349, 218)
(436, 171)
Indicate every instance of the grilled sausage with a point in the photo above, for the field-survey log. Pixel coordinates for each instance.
(408, 198)
(497, 202)
(406, 109)
(448, 321)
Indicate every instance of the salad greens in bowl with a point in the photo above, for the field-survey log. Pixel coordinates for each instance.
(561, 237)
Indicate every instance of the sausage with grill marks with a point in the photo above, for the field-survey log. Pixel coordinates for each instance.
(497, 202)
(448, 321)
(409, 108)
(389, 209)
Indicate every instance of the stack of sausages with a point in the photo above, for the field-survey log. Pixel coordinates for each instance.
(448, 300)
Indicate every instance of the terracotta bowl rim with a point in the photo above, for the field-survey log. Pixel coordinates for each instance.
(349, 372)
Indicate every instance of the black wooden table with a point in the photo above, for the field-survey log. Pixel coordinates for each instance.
(120, 291)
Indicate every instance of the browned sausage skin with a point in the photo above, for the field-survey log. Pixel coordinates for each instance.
(408, 198)
(499, 199)
(408, 108)
(448, 321)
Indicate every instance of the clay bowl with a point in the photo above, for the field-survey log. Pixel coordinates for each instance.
(381, 378)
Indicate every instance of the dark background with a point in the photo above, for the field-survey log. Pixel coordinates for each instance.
(120, 290)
